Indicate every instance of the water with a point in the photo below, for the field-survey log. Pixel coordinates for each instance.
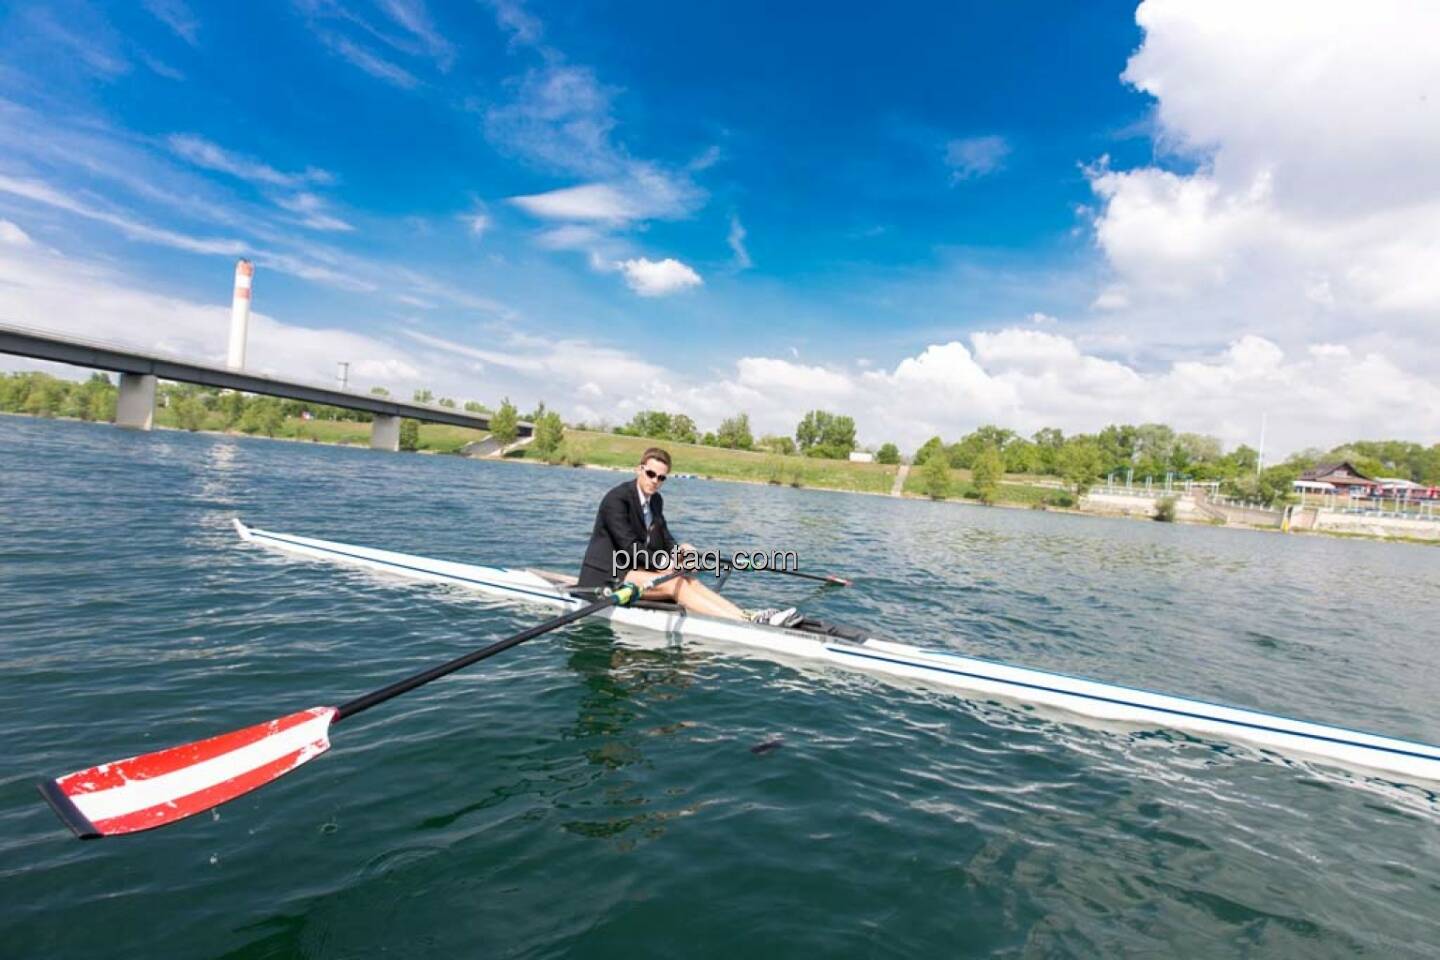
(591, 795)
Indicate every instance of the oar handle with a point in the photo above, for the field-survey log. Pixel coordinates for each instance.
(622, 596)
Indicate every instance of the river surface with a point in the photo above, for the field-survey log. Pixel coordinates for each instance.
(594, 794)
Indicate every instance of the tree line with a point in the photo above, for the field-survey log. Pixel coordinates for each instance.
(1155, 450)
(1151, 450)
(196, 407)
(819, 433)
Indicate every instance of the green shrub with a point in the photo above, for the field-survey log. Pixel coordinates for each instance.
(409, 435)
(935, 478)
(549, 435)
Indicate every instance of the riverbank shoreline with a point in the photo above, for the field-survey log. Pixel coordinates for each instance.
(528, 457)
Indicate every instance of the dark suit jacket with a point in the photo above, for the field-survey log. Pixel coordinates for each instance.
(620, 525)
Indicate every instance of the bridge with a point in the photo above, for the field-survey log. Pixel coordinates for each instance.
(139, 372)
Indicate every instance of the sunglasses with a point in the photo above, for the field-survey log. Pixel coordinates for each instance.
(657, 477)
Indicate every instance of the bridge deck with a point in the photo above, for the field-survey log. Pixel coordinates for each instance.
(61, 348)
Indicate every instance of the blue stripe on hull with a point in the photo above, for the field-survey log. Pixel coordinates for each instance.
(867, 655)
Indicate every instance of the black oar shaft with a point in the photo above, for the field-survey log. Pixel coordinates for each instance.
(820, 577)
(475, 656)
(460, 663)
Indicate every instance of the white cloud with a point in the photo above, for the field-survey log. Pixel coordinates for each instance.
(43, 289)
(1313, 187)
(647, 194)
(1019, 377)
(558, 116)
(975, 157)
(515, 20)
(161, 69)
(371, 63)
(658, 278)
(12, 234)
(477, 221)
(415, 18)
(736, 239)
(178, 17)
(571, 236)
(84, 38)
(312, 212)
(39, 192)
(202, 153)
(591, 201)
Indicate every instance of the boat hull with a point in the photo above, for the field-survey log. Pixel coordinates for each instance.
(977, 677)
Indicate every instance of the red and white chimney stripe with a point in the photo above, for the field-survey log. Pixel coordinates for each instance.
(240, 314)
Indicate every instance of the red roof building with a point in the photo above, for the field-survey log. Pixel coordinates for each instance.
(1343, 477)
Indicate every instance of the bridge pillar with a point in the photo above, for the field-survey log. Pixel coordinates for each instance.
(385, 433)
(135, 407)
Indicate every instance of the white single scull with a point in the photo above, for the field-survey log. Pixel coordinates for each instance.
(1073, 695)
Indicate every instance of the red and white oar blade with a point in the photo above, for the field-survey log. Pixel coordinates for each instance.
(155, 789)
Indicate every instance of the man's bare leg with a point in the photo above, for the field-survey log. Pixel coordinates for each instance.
(689, 593)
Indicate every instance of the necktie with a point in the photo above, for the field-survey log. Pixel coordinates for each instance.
(646, 508)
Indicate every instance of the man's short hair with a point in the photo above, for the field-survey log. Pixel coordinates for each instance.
(655, 453)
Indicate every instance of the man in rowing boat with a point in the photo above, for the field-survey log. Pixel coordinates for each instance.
(631, 523)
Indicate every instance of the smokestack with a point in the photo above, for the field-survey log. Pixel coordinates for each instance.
(240, 314)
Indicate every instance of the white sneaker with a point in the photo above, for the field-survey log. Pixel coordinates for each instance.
(777, 618)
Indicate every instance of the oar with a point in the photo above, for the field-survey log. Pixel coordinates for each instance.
(156, 789)
(829, 579)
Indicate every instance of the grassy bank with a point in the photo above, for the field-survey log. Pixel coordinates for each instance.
(612, 450)
(434, 437)
(1014, 489)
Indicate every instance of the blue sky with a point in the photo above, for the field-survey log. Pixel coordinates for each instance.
(726, 207)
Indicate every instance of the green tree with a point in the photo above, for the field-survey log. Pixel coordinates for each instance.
(989, 467)
(683, 429)
(650, 423)
(1430, 467)
(1117, 444)
(422, 396)
(1022, 456)
(447, 402)
(409, 434)
(839, 436)
(549, 434)
(1080, 463)
(262, 415)
(379, 392)
(888, 453)
(811, 428)
(734, 433)
(189, 413)
(97, 398)
(44, 398)
(930, 448)
(1199, 448)
(935, 478)
(964, 453)
(232, 409)
(505, 424)
(13, 389)
(1048, 441)
(474, 406)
